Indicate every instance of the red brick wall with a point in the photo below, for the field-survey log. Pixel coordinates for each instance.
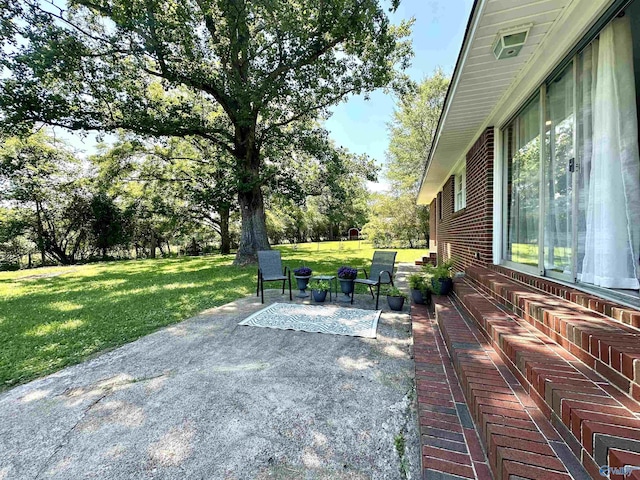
(466, 235)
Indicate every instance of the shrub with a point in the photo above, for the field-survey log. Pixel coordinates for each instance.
(319, 286)
(395, 292)
(442, 271)
(417, 281)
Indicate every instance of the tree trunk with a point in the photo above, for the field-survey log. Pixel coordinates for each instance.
(41, 246)
(253, 235)
(225, 239)
(153, 245)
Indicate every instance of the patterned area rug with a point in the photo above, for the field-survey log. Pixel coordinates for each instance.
(353, 322)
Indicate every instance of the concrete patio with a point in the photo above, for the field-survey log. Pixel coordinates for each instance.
(207, 398)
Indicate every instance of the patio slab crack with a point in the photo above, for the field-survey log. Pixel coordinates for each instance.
(65, 438)
(106, 391)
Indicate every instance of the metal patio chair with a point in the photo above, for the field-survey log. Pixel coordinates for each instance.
(270, 270)
(381, 272)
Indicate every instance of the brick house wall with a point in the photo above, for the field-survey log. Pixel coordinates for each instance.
(467, 235)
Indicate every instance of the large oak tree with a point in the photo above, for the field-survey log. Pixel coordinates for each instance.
(263, 64)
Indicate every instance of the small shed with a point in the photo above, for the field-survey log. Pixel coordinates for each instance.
(353, 234)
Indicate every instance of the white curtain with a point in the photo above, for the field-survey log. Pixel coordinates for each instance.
(586, 92)
(612, 243)
(558, 189)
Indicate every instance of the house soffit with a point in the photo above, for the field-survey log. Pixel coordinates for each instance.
(483, 88)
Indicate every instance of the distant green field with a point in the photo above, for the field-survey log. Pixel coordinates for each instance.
(57, 316)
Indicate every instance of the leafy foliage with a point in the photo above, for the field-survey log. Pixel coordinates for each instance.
(391, 291)
(249, 77)
(412, 131)
(319, 285)
(40, 175)
(397, 219)
(331, 198)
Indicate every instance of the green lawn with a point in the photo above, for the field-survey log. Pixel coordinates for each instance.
(528, 254)
(57, 316)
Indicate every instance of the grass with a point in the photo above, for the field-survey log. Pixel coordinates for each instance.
(57, 316)
(528, 254)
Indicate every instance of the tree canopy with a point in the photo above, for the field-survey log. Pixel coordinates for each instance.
(412, 131)
(140, 195)
(396, 216)
(247, 76)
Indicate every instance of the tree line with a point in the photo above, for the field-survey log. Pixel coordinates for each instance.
(140, 197)
(395, 215)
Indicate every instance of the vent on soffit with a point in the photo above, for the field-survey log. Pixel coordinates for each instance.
(510, 41)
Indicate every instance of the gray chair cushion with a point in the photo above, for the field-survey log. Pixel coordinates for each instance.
(269, 279)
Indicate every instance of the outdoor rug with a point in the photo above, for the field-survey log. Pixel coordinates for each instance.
(353, 322)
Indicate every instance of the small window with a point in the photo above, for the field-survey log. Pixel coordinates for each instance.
(440, 206)
(460, 185)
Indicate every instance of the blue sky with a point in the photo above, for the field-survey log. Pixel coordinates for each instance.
(361, 125)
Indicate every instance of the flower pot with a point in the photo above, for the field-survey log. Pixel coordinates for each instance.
(419, 298)
(442, 286)
(302, 285)
(319, 295)
(395, 303)
(346, 287)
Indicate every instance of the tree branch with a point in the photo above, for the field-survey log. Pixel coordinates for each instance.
(300, 115)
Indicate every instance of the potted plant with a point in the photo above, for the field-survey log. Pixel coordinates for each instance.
(420, 290)
(319, 289)
(346, 276)
(395, 298)
(441, 281)
(302, 275)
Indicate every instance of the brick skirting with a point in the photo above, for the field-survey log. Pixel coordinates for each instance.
(610, 347)
(599, 423)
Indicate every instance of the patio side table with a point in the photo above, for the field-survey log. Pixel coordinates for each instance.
(332, 281)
